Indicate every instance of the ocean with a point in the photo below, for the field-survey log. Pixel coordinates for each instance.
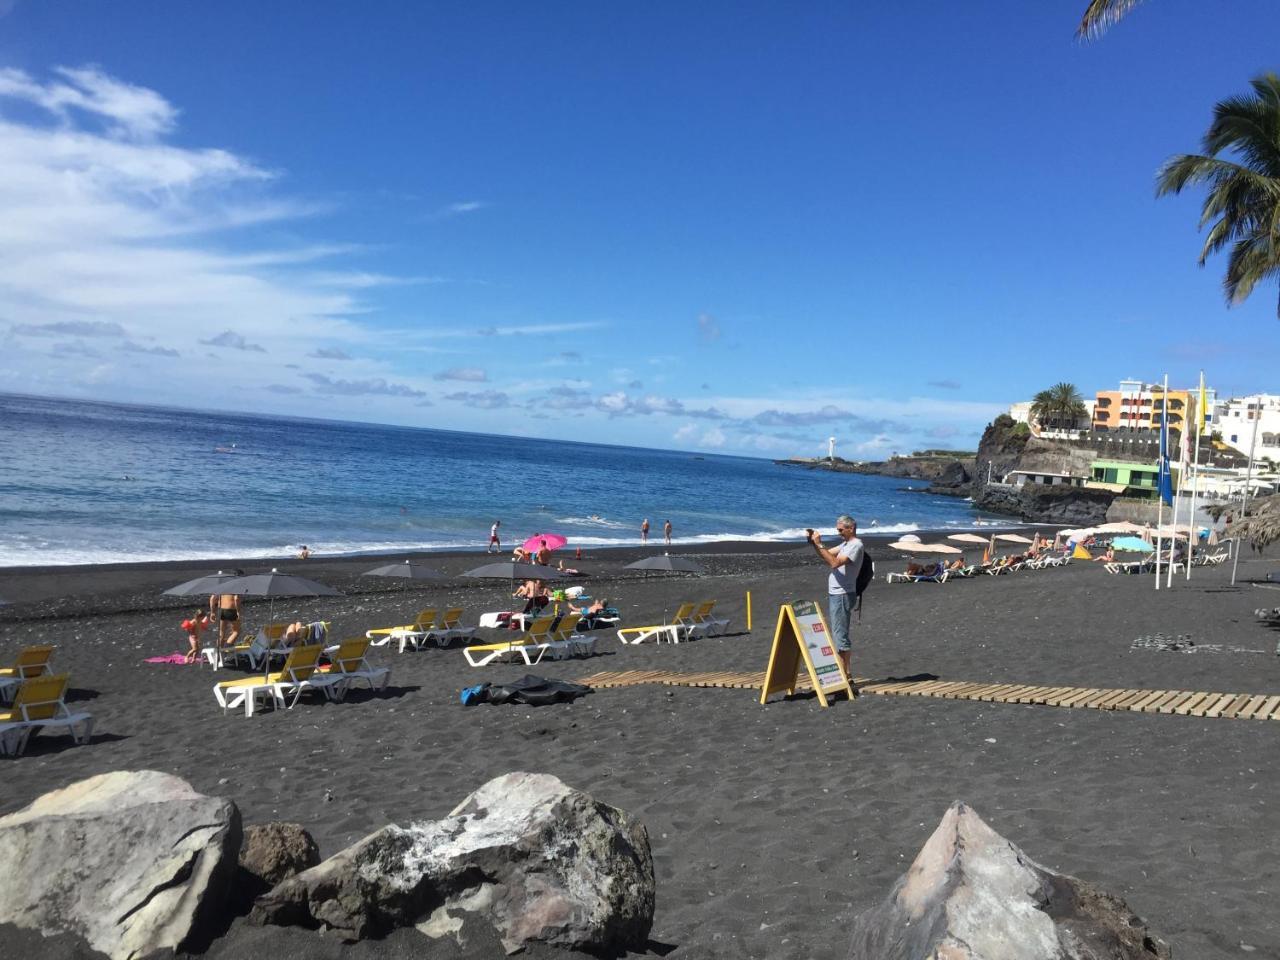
(87, 482)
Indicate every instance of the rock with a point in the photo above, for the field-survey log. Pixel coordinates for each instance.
(538, 860)
(973, 895)
(272, 852)
(132, 861)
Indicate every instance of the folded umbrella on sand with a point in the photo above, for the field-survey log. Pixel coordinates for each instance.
(667, 564)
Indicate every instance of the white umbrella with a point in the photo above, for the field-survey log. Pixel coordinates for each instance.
(908, 538)
(968, 538)
(1012, 538)
(1119, 526)
(907, 547)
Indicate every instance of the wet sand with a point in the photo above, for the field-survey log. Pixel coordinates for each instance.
(772, 826)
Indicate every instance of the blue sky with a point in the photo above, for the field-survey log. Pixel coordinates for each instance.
(728, 227)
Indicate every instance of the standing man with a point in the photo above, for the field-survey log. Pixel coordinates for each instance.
(842, 592)
(495, 545)
(666, 532)
(644, 531)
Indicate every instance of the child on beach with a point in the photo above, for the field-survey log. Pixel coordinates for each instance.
(194, 626)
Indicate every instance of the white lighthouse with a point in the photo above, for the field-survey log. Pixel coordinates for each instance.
(831, 448)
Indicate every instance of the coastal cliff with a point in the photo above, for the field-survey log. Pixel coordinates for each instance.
(947, 474)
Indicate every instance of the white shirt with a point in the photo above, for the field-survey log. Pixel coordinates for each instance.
(843, 579)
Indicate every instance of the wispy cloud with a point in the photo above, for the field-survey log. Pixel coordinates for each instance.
(483, 399)
(708, 328)
(233, 341)
(464, 375)
(130, 347)
(945, 384)
(531, 329)
(375, 386)
(130, 111)
(457, 209)
(75, 328)
(283, 388)
(329, 353)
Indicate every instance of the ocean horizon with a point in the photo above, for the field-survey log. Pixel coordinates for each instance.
(99, 482)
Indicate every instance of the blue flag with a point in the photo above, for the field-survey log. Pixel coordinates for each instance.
(1164, 480)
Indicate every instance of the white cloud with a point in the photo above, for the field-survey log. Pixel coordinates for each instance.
(110, 230)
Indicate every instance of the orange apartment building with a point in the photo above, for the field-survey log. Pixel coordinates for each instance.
(1137, 406)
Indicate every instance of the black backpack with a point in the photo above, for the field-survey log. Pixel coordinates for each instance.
(866, 573)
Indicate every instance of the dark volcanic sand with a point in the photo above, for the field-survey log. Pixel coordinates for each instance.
(771, 826)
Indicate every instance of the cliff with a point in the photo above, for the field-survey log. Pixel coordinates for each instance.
(945, 474)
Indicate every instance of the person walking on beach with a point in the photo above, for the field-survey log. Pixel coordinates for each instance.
(666, 533)
(495, 545)
(844, 564)
(644, 530)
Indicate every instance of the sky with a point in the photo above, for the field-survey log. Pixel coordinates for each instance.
(726, 227)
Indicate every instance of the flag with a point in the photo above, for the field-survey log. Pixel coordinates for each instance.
(1204, 413)
(1164, 479)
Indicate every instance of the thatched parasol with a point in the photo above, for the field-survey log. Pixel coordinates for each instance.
(1262, 526)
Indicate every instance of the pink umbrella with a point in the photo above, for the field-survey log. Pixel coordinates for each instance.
(553, 541)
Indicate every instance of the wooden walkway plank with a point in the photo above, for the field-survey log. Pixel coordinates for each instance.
(1267, 708)
(1235, 706)
(1255, 703)
(1186, 706)
(1219, 702)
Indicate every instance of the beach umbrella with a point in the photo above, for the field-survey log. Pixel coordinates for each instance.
(208, 585)
(275, 584)
(967, 538)
(553, 540)
(1133, 544)
(1119, 526)
(908, 538)
(1012, 538)
(909, 547)
(667, 564)
(512, 570)
(409, 570)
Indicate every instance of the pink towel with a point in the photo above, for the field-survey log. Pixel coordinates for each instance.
(171, 658)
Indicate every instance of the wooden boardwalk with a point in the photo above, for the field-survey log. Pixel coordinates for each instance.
(1242, 706)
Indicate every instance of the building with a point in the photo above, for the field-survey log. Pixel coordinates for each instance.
(1020, 411)
(1020, 478)
(1235, 418)
(1139, 480)
(1138, 406)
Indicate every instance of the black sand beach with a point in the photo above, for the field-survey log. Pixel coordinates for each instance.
(772, 826)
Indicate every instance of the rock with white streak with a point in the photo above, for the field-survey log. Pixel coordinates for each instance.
(132, 861)
(536, 859)
(973, 895)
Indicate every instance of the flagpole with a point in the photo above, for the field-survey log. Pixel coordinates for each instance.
(1173, 522)
(1160, 493)
(1248, 486)
(1192, 539)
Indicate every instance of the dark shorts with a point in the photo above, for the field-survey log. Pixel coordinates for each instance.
(228, 615)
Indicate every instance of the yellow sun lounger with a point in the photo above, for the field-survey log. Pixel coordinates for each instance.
(415, 633)
(450, 626)
(39, 705)
(348, 664)
(670, 631)
(31, 662)
(297, 674)
(536, 639)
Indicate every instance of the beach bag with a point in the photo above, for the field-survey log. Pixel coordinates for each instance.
(866, 573)
(470, 696)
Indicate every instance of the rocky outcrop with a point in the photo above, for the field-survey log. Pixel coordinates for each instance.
(1072, 506)
(133, 862)
(538, 860)
(943, 472)
(273, 852)
(971, 894)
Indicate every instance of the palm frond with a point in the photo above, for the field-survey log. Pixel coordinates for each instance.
(1101, 14)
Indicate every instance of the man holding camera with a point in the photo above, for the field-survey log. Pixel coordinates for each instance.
(842, 593)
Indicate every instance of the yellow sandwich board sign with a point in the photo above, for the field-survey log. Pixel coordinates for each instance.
(802, 637)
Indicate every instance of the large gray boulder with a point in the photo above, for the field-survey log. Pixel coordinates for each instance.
(973, 895)
(133, 862)
(536, 859)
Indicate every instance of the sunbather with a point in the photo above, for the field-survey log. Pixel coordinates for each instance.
(1108, 557)
(520, 555)
(563, 569)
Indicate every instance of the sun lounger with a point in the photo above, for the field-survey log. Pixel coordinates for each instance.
(265, 644)
(348, 663)
(535, 640)
(39, 705)
(415, 633)
(1130, 567)
(708, 623)
(31, 662)
(450, 628)
(671, 632)
(937, 575)
(560, 642)
(294, 677)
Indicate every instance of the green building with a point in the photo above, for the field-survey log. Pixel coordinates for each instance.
(1138, 480)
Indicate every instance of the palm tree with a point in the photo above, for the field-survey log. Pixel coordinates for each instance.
(1101, 14)
(1059, 406)
(1243, 204)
